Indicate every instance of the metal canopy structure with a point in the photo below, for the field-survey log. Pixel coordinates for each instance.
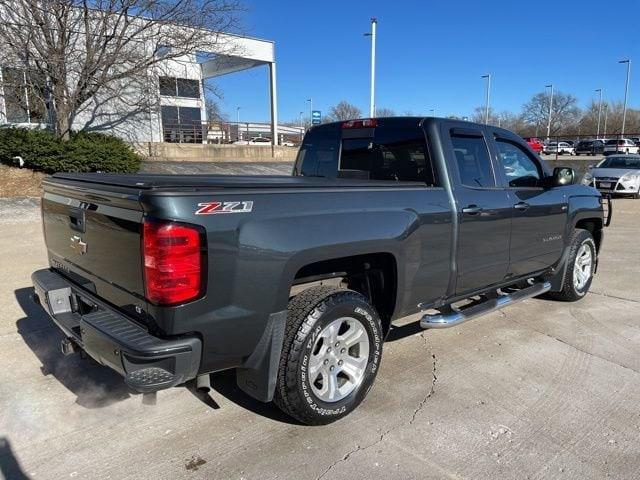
(242, 53)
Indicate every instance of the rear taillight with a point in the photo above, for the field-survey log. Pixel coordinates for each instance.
(173, 263)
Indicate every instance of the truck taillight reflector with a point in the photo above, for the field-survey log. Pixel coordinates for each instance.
(172, 255)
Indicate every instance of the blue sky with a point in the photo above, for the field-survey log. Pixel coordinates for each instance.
(431, 54)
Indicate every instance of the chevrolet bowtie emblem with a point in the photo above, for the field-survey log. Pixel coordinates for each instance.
(77, 245)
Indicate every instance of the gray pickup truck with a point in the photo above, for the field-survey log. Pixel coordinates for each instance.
(294, 281)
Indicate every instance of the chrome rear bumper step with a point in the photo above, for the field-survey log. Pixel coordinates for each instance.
(456, 317)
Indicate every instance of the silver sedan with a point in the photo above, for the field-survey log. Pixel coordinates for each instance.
(616, 174)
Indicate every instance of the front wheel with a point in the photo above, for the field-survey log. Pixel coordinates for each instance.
(330, 356)
(581, 265)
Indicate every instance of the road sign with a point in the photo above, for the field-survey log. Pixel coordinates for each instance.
(316, 116)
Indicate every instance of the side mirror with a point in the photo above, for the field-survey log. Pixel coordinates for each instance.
(563, 176)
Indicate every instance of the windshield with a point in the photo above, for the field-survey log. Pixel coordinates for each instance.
(622, 161)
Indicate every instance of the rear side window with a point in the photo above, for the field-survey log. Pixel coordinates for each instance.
(472, 159)
(318, 155)
(394, 154)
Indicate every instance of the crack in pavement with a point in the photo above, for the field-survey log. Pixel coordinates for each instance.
(564, 342)
(602, 294)
(393, 428)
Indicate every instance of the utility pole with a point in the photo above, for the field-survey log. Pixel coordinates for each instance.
(372, 101)
(550, 110)
(486, 108)
(599, 111)
(626, 94)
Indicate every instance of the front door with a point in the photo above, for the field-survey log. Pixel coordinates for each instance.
(539, 212)
(484, 212)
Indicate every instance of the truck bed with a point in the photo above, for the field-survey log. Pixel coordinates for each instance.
(155, 181)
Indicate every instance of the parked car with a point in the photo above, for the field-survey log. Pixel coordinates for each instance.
(616, 174)
(560, 148)
(621, 145)
(535, 143)
(254, 141)
(590, 147)
(294, 280)
(287, 143)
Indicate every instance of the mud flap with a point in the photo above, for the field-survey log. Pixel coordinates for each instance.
(258, 376)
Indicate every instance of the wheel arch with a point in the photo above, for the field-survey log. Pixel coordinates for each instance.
(374, 275)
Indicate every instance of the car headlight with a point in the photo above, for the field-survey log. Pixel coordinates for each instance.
(630, 177)
(587, 179)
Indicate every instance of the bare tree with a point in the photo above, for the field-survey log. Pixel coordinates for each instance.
(565, 112)
(214, 112)
(385, 112)
(344, 111)
(84, 55)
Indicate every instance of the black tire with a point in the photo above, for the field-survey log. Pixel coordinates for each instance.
(569, 292)
(308, 313)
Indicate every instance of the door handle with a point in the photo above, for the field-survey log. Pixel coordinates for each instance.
(521, 206)
(472, 210)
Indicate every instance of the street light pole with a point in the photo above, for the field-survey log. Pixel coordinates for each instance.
(626, 94)
(606, 110)
(310, 100)
(486, 108)
(433, 112)
(372, 101)
(238, 121)
(301, 124)
(550, 110)
(599, 111)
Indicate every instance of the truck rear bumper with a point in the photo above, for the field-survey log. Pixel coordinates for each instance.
(146, 362)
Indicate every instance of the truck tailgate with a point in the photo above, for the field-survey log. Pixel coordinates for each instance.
(93, 235)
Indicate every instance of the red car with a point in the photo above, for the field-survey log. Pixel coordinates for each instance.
(535, 143)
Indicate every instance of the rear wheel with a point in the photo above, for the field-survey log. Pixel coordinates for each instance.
(330, 357)
(581, 264)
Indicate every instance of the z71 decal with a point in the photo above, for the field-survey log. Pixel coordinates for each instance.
(214, 208)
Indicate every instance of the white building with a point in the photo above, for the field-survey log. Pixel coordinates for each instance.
(176, 111)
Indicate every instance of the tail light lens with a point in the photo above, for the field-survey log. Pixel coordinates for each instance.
(173, 262)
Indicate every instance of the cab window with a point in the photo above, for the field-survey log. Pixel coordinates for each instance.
(519, 168)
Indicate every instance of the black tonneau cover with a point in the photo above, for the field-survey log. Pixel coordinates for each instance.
(153, 181)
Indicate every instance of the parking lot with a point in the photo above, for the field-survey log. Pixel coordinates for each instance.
(540, 390)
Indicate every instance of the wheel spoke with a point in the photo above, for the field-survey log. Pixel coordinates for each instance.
(332, 383)
(355, 334)
(354, 367)
(315, 365)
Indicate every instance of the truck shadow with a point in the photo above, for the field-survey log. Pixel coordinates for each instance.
(94, 385)
(224, 383)
(9, 465)
(97, 386)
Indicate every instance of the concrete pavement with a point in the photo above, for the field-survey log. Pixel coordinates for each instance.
(540, 390)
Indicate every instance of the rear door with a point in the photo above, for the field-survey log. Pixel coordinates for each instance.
(539, 212)
(484, 210)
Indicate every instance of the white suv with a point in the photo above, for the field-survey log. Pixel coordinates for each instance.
(622, 145)
(560, 148)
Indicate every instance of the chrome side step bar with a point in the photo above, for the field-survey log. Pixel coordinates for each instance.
(456, 317)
